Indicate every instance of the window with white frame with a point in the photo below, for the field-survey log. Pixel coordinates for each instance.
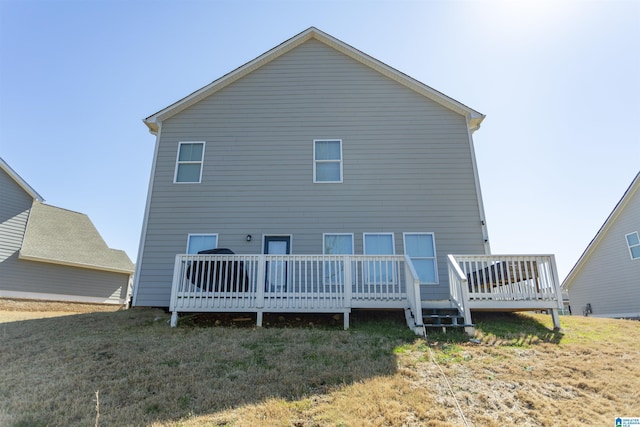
(336, 244)
(421, 249)
(201, 242)
(327, 160)
(189, 162)
(379, 244)
(633, 241)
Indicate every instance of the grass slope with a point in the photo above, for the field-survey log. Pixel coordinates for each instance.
(518, 372)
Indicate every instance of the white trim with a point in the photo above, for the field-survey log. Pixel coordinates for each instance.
(21, 182)
(435, 253)
(189, 162)
(476, 176)
(145, 219)
(632, 246)
(393, 241)
(290, 236)
(59, 297)
(186, 251)
(353, 246)
(75, 264)
(315, 162)
(473, 117)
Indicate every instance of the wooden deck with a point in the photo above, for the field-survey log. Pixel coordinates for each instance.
(340, 283)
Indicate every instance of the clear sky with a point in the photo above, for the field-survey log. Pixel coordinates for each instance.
(559, 82)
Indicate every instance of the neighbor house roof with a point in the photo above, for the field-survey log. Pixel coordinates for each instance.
(60, 236)
(473, 117)
(617, 210)
(21, 182)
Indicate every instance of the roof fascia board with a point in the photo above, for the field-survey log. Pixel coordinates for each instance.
(591, 247)
(473, 117)
(21, 182)
(74, 264)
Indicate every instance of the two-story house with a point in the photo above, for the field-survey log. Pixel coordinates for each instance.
(336, 181)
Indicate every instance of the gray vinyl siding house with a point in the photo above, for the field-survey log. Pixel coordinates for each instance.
(408, 166)
(316, 150)
(605, 282)
(49, 253)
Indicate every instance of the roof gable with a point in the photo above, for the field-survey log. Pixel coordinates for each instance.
(632, 191)
(473, 118)
(60, 236)
(21, 182)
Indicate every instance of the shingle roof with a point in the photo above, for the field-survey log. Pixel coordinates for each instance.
(60, 236)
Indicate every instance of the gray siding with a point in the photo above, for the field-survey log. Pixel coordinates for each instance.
(610, 280)
(14, 212)
(407, 167)
(35, 277)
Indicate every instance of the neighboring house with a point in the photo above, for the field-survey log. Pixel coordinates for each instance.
(605, 282)
(314, 148)
(49, 253)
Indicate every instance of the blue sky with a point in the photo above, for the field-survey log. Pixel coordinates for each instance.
(558, 80)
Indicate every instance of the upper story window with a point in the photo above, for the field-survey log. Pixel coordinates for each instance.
(201, 242)
(421, 249)
(633, 241)
(327, 160)
(189, 162)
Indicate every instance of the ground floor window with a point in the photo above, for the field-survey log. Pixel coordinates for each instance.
(336, 244)
(379, 244)
(201, 242)
(421, 249)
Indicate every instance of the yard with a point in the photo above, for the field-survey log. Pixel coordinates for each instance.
(70, 365)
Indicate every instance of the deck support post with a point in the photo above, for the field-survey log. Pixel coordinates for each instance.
(346, 320)
(259, 319)
(174, 319)
(556, 319)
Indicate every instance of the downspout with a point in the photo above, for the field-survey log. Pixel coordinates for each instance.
(472, 126)
(143, 235)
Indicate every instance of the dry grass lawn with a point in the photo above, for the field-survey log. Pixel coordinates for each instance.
(306, 371)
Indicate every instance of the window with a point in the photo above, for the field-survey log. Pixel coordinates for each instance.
(379, 244)
(327, 161)
(201, 242)
(633, 241)
(189, 162)
(336, 244)
(421, 249)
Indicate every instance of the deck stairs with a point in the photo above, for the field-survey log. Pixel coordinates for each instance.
(443, 318)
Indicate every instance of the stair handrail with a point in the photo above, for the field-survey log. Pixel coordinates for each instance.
(459, 291)
(413, 295)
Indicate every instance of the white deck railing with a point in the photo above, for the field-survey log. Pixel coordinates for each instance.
(504, 282)
(294, 283)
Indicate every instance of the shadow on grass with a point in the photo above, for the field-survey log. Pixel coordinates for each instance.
(513, 329)
(147, 372)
